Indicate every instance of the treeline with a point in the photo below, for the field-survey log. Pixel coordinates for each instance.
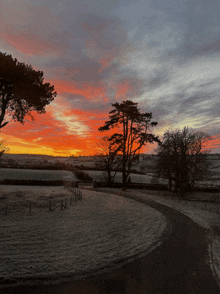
(11, 163)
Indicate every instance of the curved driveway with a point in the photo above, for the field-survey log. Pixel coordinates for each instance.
(180, 264)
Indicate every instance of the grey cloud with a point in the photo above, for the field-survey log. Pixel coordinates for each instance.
(214, 110)
(158, 80)
(77, 69)
(160, 111)
(81, 103)
(202, 32)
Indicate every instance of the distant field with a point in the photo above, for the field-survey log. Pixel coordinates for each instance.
(138, 178)
(213, 179)
(135, 178)
(40, 175)
(89, 162)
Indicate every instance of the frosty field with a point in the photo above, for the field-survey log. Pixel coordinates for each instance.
(32, 174)
(135, 178)
(101, 231)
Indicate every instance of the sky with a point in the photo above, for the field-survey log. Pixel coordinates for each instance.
(164, 55)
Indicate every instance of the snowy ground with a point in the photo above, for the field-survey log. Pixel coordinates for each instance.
(95, 233)
(135, 178)
(101, 231)
(139, 178)
(19, 197)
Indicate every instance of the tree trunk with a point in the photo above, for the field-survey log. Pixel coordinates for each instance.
(124, 174)
(109, 177)
(170, 184)
(124, 177)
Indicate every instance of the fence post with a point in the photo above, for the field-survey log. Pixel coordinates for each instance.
(30, 207)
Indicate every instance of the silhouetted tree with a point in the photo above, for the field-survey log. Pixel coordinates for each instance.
(181, 158)
(107, 159)
(132, 133)
(21, 90)
(3, 148)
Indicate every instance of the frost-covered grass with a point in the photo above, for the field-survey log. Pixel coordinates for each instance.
(135, 178)
(32, 174)
(38, 195)
(140, 178)
(92, 234)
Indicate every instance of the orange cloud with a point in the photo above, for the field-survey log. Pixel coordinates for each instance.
(86, 90)
(122, 89)
(18, 22)
(29, 44)
(213, 143)
(47, 135)
(105, 62)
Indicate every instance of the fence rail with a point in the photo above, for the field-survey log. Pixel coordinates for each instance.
(85, 183)
(50, 204)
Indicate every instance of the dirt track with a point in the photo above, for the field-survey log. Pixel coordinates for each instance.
(179, 265)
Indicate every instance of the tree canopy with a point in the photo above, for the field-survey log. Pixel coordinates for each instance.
(22, 90)
(181, 158)
(132, 135)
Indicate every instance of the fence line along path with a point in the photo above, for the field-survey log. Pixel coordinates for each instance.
(25, 206)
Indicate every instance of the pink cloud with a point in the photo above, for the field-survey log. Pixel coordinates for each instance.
(30, 44)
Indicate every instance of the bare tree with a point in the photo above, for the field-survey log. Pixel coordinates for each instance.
(3, 148)
(181, 158)
(108, 159)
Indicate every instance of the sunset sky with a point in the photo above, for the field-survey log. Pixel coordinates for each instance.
(165, 55)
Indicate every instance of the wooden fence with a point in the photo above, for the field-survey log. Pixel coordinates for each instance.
(51, 205)
(85, 183)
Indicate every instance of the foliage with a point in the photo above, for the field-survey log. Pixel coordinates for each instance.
(132, 133)
(182, 158)
(21, 90)
(83, 176)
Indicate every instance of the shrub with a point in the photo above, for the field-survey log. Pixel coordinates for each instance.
(83, 176)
